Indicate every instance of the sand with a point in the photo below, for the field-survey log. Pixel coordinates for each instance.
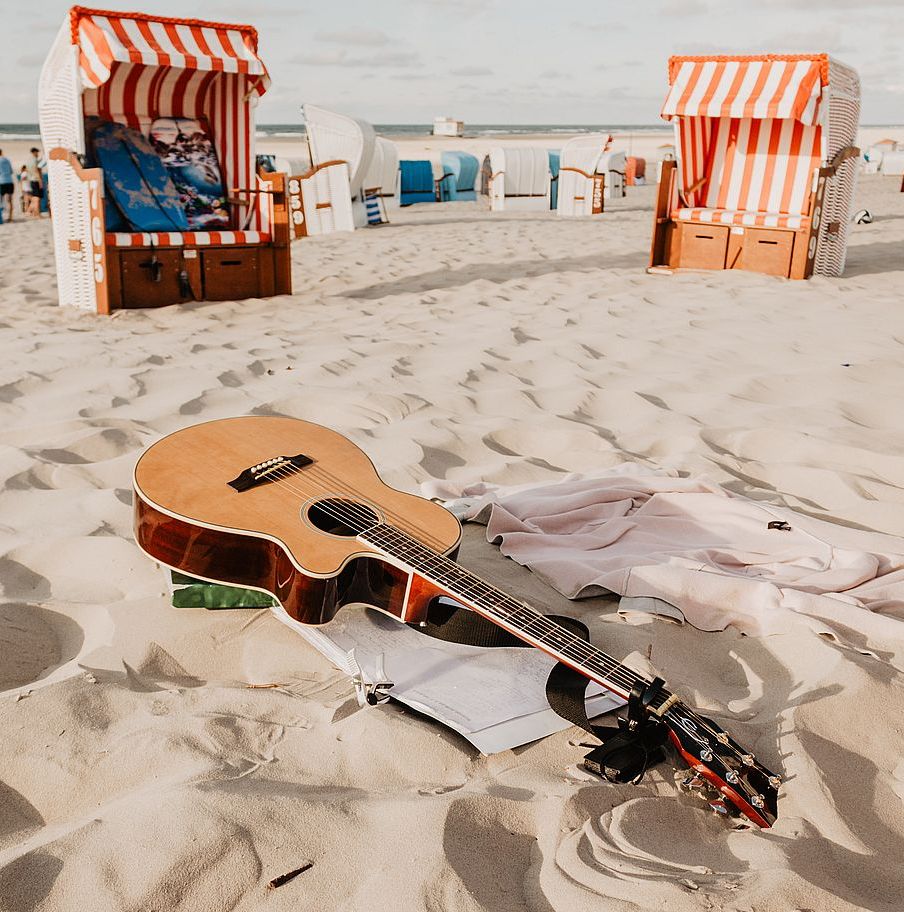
(138, 770)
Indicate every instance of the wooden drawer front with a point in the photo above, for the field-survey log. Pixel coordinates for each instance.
(231, 273)
(703, 246)
(767, 251)
(145, 284)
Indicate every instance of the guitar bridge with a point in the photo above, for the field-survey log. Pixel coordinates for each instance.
(274, 469)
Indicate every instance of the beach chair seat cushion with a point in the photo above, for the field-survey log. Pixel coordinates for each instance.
(742, 217)
(185, 238)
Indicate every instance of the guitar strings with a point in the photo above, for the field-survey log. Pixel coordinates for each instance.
(620, 675)
(341, 488)
(624, 678)
(398, 520)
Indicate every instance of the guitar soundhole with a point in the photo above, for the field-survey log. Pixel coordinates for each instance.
(337, 516)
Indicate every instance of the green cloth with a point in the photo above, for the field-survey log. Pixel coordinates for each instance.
(189, 592)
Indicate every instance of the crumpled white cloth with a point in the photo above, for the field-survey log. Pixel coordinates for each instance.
(694, 545)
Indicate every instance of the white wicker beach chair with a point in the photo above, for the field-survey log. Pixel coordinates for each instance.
(589, 174)
(337, 137)
(519, 179)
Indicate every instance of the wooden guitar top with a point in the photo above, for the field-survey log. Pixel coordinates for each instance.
(186, 475)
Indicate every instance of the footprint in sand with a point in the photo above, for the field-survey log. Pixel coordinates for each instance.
(33, 641)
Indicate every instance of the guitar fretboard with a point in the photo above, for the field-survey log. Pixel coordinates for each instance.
(517, 617)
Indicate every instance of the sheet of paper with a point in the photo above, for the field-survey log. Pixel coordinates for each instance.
(496, 698)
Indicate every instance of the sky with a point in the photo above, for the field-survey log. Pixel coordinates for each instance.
(496, 61)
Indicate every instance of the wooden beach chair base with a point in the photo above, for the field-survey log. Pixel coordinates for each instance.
(788, 252)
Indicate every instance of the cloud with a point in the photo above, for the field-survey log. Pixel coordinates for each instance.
(238, 12)
(462, 8)
(354, 35)
(553, 74)
(838, 4)
(684, 8)
(31, 60)
(340, 57)
(580, 27)
(472, 71)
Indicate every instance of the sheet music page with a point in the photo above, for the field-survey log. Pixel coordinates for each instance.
(476, 691)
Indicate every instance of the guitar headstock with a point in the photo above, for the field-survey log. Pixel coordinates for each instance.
(717, 758)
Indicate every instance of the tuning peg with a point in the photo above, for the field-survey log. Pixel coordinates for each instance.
(775, 781)
(732, 777)
(748, 759)
(758, 801)
(706, 755)
(692, 783)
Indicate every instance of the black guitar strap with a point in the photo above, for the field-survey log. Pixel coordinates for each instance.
(627, 750)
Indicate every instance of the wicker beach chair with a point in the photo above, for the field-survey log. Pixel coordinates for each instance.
(130, 69)
(460, 176)
(589, 174)
(336, 137)
(519, 179)
(765, 167)
(382, 177)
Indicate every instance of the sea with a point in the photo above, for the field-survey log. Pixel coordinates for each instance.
(27, 132)
(30, 131)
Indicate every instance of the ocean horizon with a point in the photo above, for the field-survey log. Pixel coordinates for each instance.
(27, 131)
(30, 131)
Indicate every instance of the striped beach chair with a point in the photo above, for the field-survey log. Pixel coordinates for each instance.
(130, 68)
(765, 165)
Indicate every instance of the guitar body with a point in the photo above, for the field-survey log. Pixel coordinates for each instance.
(272, 537)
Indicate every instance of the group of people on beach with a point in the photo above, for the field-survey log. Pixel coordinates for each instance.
(32, 186)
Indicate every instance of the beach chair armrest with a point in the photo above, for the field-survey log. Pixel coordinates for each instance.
(841, 156)
(577, 171)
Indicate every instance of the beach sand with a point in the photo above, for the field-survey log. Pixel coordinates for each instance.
(139, 771)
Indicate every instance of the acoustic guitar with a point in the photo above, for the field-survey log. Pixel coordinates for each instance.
(298, 511)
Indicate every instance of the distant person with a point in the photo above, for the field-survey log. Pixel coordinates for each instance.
(24, 188)
(35, 183)
(45, 199)
(7, 185)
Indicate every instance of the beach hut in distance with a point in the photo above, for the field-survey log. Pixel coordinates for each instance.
(589, 174)
(519, 179)
(765, 166)
(460, 170)
(336, 137)
(169, 206)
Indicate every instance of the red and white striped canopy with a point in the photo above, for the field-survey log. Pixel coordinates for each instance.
(762, 88)
(106, 38)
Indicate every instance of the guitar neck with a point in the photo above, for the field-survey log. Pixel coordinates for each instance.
(519, 618)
